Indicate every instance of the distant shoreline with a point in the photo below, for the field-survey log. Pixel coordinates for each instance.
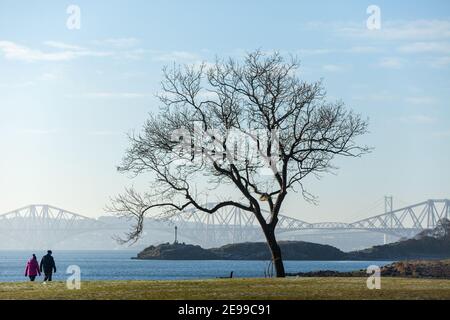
(425, 248)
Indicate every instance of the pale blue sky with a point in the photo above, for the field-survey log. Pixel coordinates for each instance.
(67, 97)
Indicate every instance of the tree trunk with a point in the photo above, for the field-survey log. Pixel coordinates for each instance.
(275, 251)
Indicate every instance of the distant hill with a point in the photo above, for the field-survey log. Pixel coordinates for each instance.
(429, 244)
(292, 250)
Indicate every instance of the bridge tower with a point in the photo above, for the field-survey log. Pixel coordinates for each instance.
(388, 207)
(388, 204)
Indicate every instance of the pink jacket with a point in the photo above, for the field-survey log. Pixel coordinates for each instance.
(32, 268)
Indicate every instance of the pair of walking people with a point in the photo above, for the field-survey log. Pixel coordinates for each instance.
(47, 266)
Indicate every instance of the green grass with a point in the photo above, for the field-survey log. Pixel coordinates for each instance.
(289, 288)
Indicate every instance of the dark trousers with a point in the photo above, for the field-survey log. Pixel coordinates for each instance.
(48, 276)
(32, 278)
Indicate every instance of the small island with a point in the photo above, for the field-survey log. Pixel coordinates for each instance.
(292, 250)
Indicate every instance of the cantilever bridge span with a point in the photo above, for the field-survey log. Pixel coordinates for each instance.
(235, 225)
(41, 226)
(45, 225)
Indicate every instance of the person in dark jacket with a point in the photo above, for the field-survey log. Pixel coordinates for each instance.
(48, 266)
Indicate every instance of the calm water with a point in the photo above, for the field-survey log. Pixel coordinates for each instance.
(118, 265)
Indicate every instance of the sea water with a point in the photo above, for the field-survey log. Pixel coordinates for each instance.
(118, 265)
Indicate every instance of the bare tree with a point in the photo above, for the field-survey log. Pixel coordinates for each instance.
(287, 131)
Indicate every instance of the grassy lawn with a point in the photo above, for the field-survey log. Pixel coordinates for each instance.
(289, 288)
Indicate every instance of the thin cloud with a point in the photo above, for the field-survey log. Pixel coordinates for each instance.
(442, 134)
(176, 56)
(119, 42)
(17, 85)
(320, 51)
(134, 54)
(391, 63)
(426, 47)
(110, 95)
(37, 131)
(365, 49)
(333, 68)
(441, 62)
(324, 51)
(382, 96)
(48, 76)
(62, 45)
(421, 100)
(14, 51)
(399, 30)
(104, 133)
(418, 119)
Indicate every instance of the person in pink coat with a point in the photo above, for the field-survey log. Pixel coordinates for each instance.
(32, 269)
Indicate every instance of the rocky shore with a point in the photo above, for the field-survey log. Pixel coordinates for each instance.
(439, 269)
